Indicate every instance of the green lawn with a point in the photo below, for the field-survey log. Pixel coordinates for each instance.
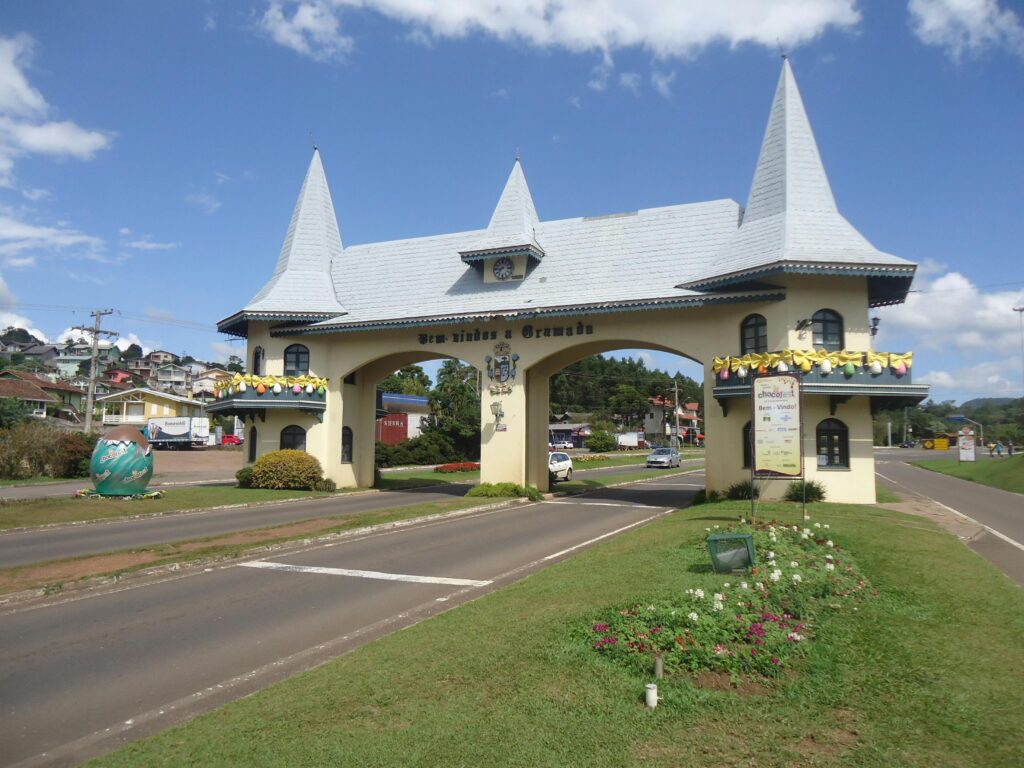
(1005, 473)
(581, 483)
(29, 512)
(926, 672)
(41, 480)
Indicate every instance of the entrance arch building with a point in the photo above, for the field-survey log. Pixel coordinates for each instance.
(784, 282)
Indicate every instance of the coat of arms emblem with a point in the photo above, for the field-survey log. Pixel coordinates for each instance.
(501, 368)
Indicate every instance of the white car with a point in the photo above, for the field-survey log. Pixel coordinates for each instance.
(664, 457)
(560, 465)
(563, 445)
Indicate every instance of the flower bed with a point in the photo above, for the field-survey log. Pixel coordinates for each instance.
(459, 466)
(756, 622)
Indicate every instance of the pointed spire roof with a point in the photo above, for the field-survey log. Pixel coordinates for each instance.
(791, 222)
(301, 286)
(513, 225)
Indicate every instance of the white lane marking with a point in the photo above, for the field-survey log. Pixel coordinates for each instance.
(606, 535)
(603, 504)
(673, 485)
(364, 574)
(988, 528)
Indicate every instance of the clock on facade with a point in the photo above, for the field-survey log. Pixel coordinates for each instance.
(503, 268)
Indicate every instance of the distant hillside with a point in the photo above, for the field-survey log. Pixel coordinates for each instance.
(983, 402)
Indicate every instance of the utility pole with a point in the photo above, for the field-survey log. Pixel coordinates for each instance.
(97, 316)
(675, 386)
(1020, 314)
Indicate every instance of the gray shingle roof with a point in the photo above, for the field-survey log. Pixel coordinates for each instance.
(791, 220)
(513, 225)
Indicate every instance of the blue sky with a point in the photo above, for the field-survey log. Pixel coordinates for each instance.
(151, 153)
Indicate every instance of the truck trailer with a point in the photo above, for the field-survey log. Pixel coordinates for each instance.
(179, 432)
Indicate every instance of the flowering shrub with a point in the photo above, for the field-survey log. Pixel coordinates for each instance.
(459, 466)
(590, 458)
(756, 622)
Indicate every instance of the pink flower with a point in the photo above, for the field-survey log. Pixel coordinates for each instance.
(600, 627)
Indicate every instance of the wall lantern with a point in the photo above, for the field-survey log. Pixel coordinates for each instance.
(731, 551)
(496, 410)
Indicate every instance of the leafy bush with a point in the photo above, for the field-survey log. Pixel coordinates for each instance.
(429, 448)
(743, 490)
(600, 441)
(459, 466)
(12, 411)
(815, 491)
(504, 490)
(325, 486)
(287, 468)
(26, 450)
(244, 477)
(70, 455)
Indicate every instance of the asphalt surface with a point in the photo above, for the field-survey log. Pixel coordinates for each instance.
(82, 676)
(1000, 513)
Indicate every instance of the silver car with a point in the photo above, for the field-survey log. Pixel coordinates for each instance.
(664, 457)
(560, 465)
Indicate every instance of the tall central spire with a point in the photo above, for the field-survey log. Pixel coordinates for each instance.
(513, 225)
(789, 175)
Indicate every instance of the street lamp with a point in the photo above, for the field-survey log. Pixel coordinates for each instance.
(496, 410)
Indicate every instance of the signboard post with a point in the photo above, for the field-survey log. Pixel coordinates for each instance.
(965, 445)
(776, 428)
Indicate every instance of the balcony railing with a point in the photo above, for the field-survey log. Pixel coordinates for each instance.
(118, 418)
(246, 393)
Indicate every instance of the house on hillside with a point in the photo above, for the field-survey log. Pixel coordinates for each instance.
(660, 419)
(137, 406)
(43, 353)
(171, 377)
(69, 399)
(203, 384)
(34, 398)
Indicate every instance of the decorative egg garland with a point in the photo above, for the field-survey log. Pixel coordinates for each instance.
(804, 360)
(240, 383)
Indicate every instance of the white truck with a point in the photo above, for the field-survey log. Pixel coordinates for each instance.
(179, 432)
(630, 440)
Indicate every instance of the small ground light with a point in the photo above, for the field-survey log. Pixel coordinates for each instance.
(731, 551)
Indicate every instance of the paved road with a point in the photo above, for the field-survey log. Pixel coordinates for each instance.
(82, 676)
(1001, 512)
(59, 542)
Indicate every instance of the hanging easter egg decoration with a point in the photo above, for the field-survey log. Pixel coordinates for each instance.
(309, 389)
(783, 367)
(241, 386)
(901, 368)
(805, 366)
(762, 370)
(848, 370)
(741, 372)
(321, 391)
(296, 389)
(876, 368)
(277, 388)
(260, 389)
(826, 367)
(724, 375)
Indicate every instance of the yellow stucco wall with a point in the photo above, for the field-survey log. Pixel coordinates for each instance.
(518, 452)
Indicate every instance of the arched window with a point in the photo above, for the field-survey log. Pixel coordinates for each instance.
(753, 334)
(296, 360)
(257, 361)
(293, 437)
(828, 330)
(252, 445)
(346, 445)
(833, 439)
(748, 446)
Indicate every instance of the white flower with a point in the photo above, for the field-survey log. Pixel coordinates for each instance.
(650, 607)
(717, 605)
(794, 564)
(708, 530)
(806, 531)
(825, 526)
(804, 536)
(775, 575)
(771, 537)
(726, 585)
(689, 591)
(796, 637)
(699, 594)
(829, 567)
(673, 613)
(817, 525)
(771, 555)
(743, 585)
(829, 543)
(759, 586)
(771, 528)
(717, 527)
(797, 578)
(719, 597)
(692, 616)
(829, 557)
(795, 528)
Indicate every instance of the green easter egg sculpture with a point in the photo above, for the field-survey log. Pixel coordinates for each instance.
(122, 462)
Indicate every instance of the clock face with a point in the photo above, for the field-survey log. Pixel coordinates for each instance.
(503, 268)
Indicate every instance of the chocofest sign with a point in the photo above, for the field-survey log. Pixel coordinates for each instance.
(776, 430)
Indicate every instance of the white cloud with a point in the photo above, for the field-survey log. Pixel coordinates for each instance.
(8, 319)
(221, 351)
(204, 201)
(576, 102)
(662, 82)
(78, 277)
(313, 30)
(146, 244)
(599, 79)
(24, 129)
(952, 314)
(678, 28)
(989, 379)
(209, 23)
(36, 194)
(125, 340)
(631, 82)
(20, 261)
(160, 315)
(124, 232)
(17, 236)
(966, 27)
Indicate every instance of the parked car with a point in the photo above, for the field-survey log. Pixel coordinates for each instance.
(560, 465)
(230, 440)
(563, 445)
(664, 457)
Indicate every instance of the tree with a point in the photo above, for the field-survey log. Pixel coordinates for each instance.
(134, 352)
(410, 380)
(12, 411)
(18, 336)
(630, 403)
(456, 408)
(235, 364)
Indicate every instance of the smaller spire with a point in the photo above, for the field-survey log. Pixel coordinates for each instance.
(513, 224)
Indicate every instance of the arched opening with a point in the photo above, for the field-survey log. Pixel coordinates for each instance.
(257, 361)
(753, 334)
(833, 444)
(827, 330)
(252, 444)
(293, 437)
(748, 446)
(296, 360)
(346, 445)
